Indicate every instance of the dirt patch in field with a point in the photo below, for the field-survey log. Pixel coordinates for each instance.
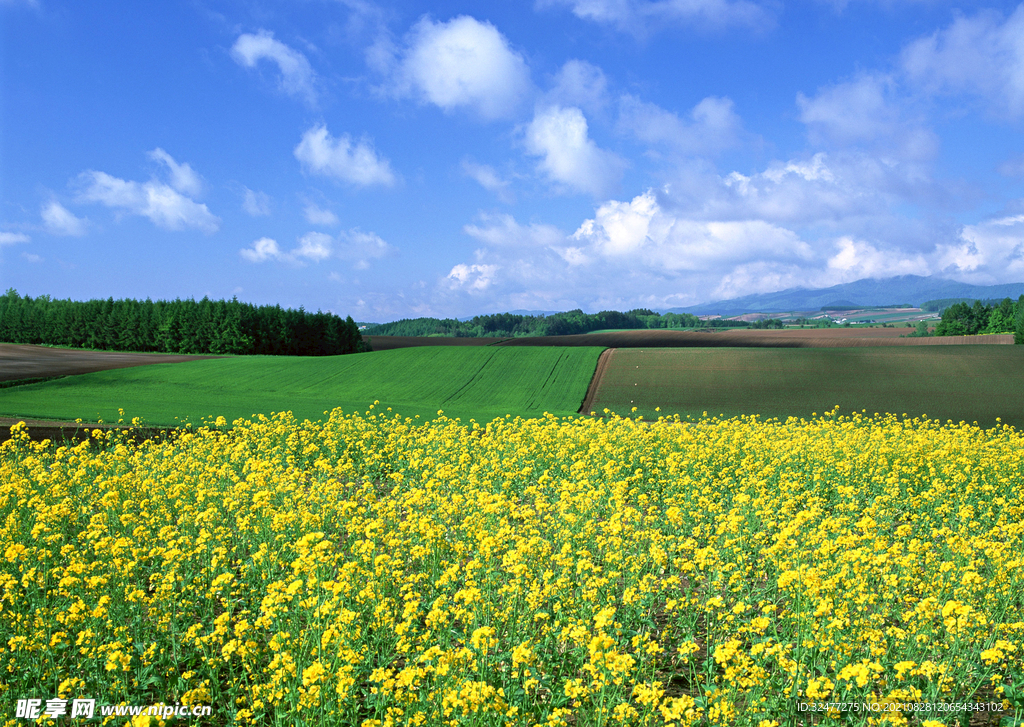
(22, 361)
(791, 338)
(602, 364)
(387, 343)
(66, 431)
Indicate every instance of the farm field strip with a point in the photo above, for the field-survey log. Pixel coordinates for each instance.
(548, 571)
(969, 383)
(21, 361)
(789, 338)
(480, 382)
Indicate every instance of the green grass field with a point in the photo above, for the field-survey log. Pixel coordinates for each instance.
(466, 382)
(962, 383)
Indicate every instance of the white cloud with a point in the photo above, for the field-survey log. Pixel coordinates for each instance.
(31, 257)
(183, 177)
(463, 63)
(641, 231)
(355, 246)
(987, 252)
(297, 77)
(256, 204)
(981, 55)
(812, 222)
(58, 220)
(489, 179)
(262, 249)
(504, 231)
(472, 278)
(358, 164)
(316, 216)
(315, 246)
(857, 259)
(640, 17)
(13, 238)
(866, 111)
(712, 127)
(582, 84)
(163, 205)
(362, 247)
(570, 158)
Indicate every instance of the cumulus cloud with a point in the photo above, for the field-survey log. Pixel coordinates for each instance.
(713, 125)
(488, 178)
(355, 163)
(182, 177)
(354, 246)
(641, 17)
(582, 84)
(641, 230)
(810, 221)
(13, 238)
(857, 259)
(161, 203)
(262, 249)
(317, 216)
(866, 111)
(461, 64)
(569, 157)
(296, 75)
(256, 204)
(981, 55)
(315, 246)
(987, 252)
(472, 278)
(58, 220)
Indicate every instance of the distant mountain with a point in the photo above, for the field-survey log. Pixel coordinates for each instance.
(912, 289)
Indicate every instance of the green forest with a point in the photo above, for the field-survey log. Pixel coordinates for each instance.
(178, 326)
(963, 319)
(512, 325)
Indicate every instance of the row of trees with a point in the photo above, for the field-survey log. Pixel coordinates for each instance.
(964, 319)
(178, 326)
(511, 325)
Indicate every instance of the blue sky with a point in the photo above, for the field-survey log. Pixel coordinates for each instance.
(398, 159)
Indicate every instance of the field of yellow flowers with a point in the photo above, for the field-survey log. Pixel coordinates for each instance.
(368, 570)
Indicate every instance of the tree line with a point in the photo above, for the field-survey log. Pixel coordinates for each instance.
(513, 325)
(178, 326)
(964, 319)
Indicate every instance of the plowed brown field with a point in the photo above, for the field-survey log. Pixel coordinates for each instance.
(19, 361)
(786, 338)
(962, 383)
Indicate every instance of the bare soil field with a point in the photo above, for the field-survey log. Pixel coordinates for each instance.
(20, 361)
(965, 383)
(387, 343)
(786, 338)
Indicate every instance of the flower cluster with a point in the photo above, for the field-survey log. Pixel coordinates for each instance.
(376, 571)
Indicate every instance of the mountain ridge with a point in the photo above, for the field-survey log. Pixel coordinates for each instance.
(867, 292)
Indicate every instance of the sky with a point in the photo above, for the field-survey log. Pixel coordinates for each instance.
(388, 160)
